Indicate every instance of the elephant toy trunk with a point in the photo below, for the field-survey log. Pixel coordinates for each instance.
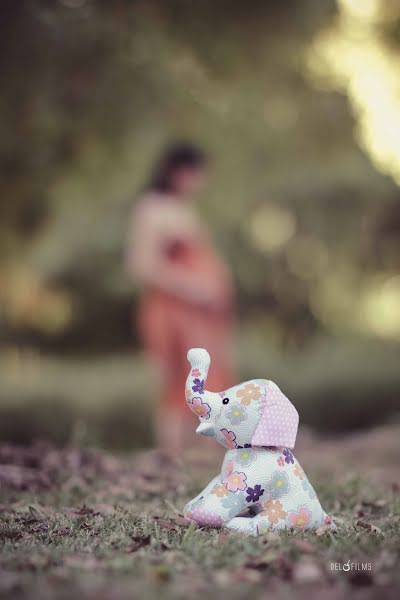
(199, 360)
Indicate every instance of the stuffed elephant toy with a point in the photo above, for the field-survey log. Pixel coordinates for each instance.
(258, 426)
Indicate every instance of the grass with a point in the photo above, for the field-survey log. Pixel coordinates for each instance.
(78, 522)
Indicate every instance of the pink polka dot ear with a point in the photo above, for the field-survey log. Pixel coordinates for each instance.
(279, 420)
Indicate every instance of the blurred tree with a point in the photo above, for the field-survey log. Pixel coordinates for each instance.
(95, 87)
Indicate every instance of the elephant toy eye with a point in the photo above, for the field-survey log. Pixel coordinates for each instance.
(225, 401)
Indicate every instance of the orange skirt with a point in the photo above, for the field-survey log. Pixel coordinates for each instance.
(169, 327)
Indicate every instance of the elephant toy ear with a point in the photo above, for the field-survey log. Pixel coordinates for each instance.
(279, 420)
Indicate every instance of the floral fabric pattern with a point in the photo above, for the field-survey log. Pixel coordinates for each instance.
(229, 438)
(236, 414)
(198, 386)
(281, 500)
(246, 457)
(307, 487)
(300, 518)
(298, 471)
(248, 393)
(220, 491)
(200, 408)
(273, 510)
(235, 481)
(195, 503)
(229, 468)
(233, 503)
(255, 493)
(289, 458)
(279, 484)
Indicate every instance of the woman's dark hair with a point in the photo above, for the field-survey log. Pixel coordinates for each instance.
(176, 156)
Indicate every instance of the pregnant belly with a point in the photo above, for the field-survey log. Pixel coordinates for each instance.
(198, 258)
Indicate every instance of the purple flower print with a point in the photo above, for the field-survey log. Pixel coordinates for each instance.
(198, 386)
(255, 493)
(288, 456)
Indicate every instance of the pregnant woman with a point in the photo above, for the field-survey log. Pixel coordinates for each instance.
(186, 289)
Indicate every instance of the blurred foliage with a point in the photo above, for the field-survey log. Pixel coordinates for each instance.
(94, 89)
(295, 101)
(108, 401)
(360, 54)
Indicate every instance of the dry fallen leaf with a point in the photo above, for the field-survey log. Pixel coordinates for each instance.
(104, 509)
(138, 542)
(380, 503)
(82, 511)
(62, 531)
(10, 534)
(178, 520)
(321, 530)
(165, 524)
(369, 527)
(359, 511)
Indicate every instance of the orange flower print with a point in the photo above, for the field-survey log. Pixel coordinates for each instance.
(220, 491)
(273, 510)
(248, 393)
(298, 471)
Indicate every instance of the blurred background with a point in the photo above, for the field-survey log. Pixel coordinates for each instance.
(298, 104)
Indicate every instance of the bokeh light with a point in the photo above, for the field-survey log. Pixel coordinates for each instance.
(381, 307)
(270, 227)
(354, 57)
